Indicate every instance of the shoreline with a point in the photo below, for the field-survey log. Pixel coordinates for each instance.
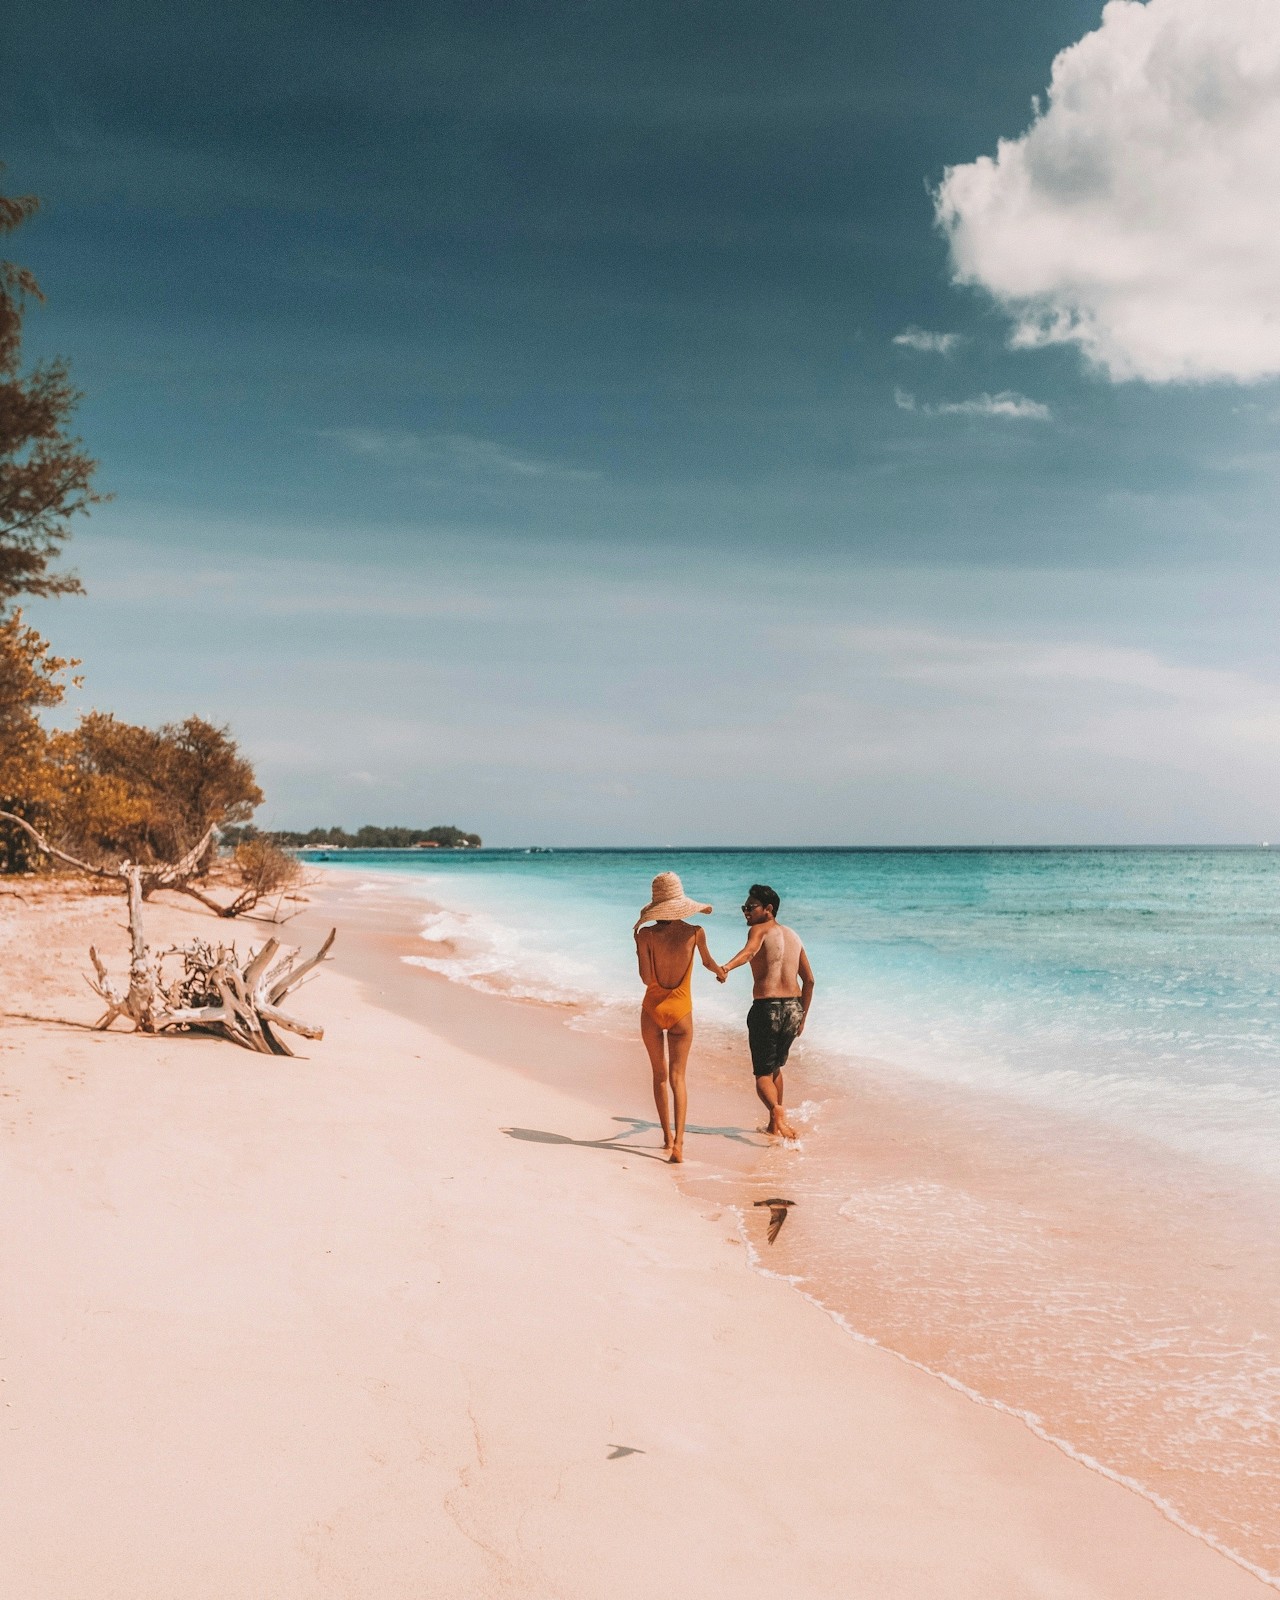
(958, 1142)
(441, 1402)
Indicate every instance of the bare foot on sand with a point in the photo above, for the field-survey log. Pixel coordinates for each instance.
(779, 1126)
(677, 1155)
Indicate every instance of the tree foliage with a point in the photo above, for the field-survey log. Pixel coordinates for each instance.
(110, 791)
(148, 794)
(31, 679)
(45, 475)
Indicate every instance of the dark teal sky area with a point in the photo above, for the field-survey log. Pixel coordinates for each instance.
(517, 387)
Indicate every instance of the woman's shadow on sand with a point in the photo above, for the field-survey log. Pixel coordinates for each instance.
(634, 1126)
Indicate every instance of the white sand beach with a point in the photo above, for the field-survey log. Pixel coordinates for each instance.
(322, 1327)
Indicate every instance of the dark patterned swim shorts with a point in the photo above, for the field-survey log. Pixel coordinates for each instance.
(772, 1026)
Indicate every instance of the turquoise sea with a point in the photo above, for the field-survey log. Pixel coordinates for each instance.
(1039, 1103)
(1140, 986)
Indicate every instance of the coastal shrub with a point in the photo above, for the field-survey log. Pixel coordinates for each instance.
(263, 868)
(148, 794)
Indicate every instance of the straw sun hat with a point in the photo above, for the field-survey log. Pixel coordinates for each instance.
(670, 902)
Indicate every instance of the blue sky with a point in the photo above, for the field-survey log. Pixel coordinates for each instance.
(536, 417)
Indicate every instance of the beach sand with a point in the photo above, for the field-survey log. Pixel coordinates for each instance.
(397, 1319)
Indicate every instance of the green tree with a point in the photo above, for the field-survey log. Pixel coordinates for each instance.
(45, 475)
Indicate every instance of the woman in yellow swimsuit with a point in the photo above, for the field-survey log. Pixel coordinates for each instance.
(666, 952)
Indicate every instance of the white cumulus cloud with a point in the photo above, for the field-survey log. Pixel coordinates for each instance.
(1007, 404)
(1139, 215)
(921, 339)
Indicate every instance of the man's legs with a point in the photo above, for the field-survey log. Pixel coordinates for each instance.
(768, 1087)
(768, 1053)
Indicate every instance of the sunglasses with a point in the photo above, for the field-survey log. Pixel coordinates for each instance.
(751, 905)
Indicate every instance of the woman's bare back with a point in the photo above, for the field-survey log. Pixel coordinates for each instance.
(670, 946)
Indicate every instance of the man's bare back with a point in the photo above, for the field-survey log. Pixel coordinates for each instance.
(775, 963)
(782, 990)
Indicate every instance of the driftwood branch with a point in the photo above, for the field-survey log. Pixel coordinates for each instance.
(58, 855)
(157, 876)
(216, 991)
(181, 870)
(293, 976)
(205, 900)
(245, 901)
(262, 875)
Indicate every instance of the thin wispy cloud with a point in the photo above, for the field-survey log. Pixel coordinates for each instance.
(955, 662)
(1006, 406)
(1019, 699)
(1135, 217)
(463, 452)
(928, 343)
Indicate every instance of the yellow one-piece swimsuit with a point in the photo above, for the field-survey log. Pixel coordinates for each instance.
(669, 1006)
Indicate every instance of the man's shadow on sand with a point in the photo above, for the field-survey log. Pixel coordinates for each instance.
(634, 1127)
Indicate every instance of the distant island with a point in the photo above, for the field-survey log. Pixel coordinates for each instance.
(366, 838)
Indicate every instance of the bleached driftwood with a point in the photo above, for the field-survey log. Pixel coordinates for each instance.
(216, 991)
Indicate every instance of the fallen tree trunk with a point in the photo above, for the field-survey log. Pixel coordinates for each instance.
(216, 992)
(246, 901)
(159, 876)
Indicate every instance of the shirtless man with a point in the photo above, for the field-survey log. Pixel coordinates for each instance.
(783, 993)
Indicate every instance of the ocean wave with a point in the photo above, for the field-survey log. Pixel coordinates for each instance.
(490, 956)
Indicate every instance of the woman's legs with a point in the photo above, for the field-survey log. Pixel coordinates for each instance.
(668, 1055)
(679, 1043)
(653, 1038)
